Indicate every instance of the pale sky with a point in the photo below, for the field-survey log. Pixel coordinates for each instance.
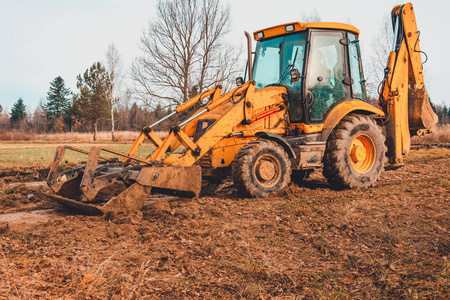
(43, 39)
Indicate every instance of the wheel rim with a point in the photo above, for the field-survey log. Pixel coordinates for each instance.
(267, 170)
(362, 153)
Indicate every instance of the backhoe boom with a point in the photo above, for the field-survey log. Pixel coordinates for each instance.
(403, 95)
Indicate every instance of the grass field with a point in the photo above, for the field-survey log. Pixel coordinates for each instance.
(40, 155)
(32, 150)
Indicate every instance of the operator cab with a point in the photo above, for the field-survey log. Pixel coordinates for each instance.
(318, 63)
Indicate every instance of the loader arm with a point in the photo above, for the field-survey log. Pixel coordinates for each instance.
(243, 106)
(403, 96)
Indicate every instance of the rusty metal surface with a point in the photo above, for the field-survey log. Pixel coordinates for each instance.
(63, 183)
(99, 183)
(87, 209)
(179, 178)
(54, 168)
(129, 200)
(87, 182)
(69, 184)
(60, 181)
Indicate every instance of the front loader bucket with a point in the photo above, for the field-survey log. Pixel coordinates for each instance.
(420, 112)
(80, 188)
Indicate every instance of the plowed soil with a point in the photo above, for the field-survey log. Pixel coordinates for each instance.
(310, 241)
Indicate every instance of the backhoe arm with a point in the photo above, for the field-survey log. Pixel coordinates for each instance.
(403, 96)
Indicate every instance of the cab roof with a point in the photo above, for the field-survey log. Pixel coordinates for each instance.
(297, 26)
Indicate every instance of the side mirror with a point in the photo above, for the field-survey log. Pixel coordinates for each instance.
(239, 81)
(295, 75)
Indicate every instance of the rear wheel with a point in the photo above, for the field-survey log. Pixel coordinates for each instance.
(355, 153)
(261, 168)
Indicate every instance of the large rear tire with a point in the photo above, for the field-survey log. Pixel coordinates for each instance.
(355, 153)
(261, 168)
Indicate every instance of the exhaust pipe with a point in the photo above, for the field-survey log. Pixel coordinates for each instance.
(249, 50)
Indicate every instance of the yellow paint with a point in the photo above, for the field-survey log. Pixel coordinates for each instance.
(189, 103)
(362, 153)
(230, 124)
(137, 143)
(343, 109)
(281, 29)
(223, 153)
(305, 128)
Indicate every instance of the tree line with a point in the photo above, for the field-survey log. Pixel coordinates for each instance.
(85, 111)
(92, 108)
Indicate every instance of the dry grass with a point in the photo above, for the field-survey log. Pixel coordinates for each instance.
(440, 135)
(304, 242)
(102, 136)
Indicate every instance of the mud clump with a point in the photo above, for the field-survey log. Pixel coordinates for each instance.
(22, 175)
(20, 195)
(4, 227)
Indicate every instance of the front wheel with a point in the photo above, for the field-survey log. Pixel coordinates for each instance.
(355, 153)
(261, 168)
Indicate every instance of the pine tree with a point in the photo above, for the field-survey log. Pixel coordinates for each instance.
(58, 103)
(91, 103)
(18, 112)
(1, 109)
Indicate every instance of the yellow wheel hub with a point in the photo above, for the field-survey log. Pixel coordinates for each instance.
(362, 153)
(267, 170)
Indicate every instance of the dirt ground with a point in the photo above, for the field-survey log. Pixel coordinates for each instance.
(310, 241)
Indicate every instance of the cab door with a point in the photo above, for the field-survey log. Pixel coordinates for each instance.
(326, 76)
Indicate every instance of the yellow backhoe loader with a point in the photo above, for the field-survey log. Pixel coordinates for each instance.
(303, 107)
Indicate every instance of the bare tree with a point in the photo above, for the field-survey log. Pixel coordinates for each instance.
(39, 121)
(4, 119)
(114, 65)
(381, 47)
(313, 16)
(184, 52)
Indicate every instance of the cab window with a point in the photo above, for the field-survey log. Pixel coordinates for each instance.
(355, 67)
(325, 73)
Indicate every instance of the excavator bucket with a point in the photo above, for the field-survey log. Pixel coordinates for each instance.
(420, 112)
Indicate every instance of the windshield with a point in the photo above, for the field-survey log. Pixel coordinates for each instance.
(276, 57)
